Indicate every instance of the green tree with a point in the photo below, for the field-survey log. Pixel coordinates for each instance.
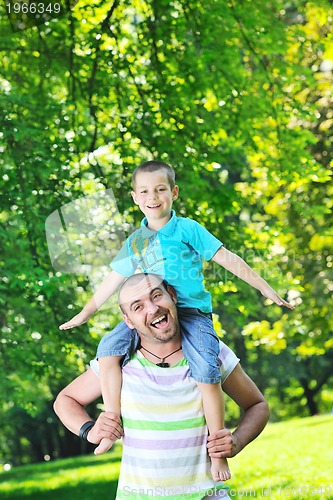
(228, 93)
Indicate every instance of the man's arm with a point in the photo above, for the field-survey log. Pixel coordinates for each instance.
(236, 265)
(255, 416)
(69, 407)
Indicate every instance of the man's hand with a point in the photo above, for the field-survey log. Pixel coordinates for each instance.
(108, 425)
(222, 444)
(77, 320)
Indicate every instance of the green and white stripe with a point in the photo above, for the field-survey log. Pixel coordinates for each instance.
(165, 433)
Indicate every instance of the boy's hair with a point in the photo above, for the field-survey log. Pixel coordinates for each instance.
(154, 166)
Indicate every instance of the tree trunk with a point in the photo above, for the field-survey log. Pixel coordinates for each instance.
(310, 395)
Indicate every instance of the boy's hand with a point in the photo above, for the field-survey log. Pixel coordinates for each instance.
(269, 293)
(77, 320)
(108, 425)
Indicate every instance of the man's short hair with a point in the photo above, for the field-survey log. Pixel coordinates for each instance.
(154, 166)
(135, 279)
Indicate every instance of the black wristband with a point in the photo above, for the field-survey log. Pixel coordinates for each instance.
(85, 428)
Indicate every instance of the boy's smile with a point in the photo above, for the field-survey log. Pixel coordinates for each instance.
(154, 206)
(154, 195)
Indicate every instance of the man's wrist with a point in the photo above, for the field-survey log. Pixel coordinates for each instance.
(84, 430)
(238, 444)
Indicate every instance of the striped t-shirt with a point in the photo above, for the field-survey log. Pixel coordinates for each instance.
(165, 432)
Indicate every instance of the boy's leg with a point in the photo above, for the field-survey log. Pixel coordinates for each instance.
(213, 404)
(111, 380)
(114, 351)
(201, 348)
(121, 341)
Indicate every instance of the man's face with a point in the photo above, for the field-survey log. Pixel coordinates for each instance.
(150, 309)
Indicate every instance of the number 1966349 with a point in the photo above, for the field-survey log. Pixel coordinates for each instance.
(33, 8)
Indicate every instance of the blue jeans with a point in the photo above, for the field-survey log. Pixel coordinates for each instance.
(200, 344)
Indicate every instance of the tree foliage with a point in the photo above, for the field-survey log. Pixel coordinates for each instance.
(237, 96)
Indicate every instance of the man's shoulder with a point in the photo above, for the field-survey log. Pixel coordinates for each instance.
(227, 360)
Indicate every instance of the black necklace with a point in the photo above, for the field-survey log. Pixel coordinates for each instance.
(161, 363)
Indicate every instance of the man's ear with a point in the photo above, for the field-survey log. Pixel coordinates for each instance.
(172, 293)
(127, 321)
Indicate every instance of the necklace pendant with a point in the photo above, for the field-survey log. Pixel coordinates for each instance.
(162, 363)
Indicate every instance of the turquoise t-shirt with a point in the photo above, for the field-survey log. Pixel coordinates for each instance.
(175, 252)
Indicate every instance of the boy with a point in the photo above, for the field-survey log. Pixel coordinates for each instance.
(172, 247)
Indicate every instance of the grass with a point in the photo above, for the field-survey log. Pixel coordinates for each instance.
(82, 478)
(290, 461)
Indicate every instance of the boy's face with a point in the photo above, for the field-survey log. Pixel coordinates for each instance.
(153, 194)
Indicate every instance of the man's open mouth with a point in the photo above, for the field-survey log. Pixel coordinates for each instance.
(160, 322)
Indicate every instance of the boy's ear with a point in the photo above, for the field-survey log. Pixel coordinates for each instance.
(134, 197)
(175, 192)
(127, 321)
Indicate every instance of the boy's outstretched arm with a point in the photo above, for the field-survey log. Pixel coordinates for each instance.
(236, 265)
(110, 284)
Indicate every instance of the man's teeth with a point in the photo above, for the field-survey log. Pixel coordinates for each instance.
(158, 320)
(153, 206)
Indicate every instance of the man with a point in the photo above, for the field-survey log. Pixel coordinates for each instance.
(165, 434)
